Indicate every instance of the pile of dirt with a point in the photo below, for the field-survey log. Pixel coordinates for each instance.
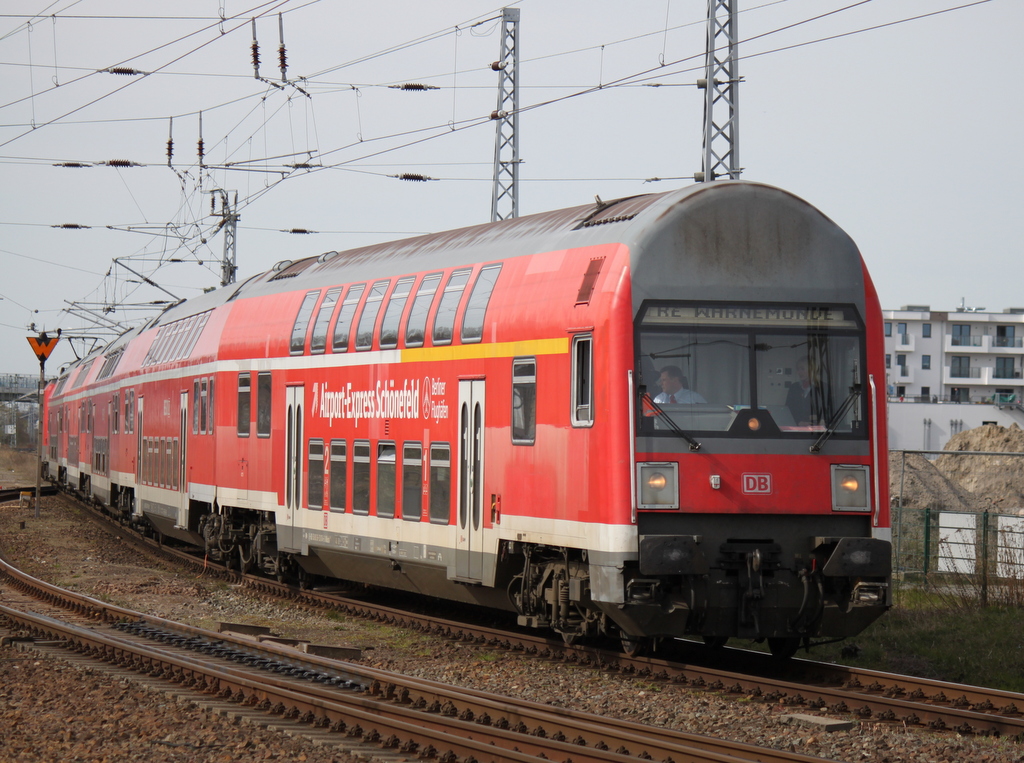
(967, 482)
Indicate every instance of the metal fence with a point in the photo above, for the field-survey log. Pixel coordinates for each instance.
(958, 524)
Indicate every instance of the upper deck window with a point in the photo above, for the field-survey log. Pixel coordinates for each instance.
(708, 367)
(364, 334)
(298, 343)
(444, 320)
(476, 309)
(393, 314)
(343, 326)
(318, 341)
(416, 328)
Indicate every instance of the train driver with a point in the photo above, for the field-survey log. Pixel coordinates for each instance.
(803, 398)
(674, 388)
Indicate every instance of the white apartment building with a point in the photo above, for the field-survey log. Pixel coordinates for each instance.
(965, 356)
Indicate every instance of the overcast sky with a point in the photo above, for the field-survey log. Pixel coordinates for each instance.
(899, 119)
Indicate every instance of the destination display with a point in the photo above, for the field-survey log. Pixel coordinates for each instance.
(793, 316)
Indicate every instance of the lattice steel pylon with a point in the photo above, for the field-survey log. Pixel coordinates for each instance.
(229, 222)
(721, 155)
(505, 196)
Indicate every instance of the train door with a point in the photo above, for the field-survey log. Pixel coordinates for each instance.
(469, 545)
(293, 469)
(182, 465)
(140, 444)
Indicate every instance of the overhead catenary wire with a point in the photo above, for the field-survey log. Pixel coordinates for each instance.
(345, 165)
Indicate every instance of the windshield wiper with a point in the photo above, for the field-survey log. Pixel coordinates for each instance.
(647, 400)
(834, 422)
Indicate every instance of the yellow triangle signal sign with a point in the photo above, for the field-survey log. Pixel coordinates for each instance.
(43, 345)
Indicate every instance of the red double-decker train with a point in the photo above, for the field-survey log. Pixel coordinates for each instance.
(650, 417)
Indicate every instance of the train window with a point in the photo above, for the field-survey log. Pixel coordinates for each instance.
(263, 403)
(368, 318)
(416, 328)
(244, 404)
(316, 474)
(318, 341)
(752, 370)
(361, 477)
(386, 475)
(339, 475)
(298, 343)
(168, 463)
(582, 381)
(476, 308)
(195, 406)
(342, 327)
(115, 410)
(204, 418)
(524, 401)
(209, 429)
(440, 482)
(412, 481)
(129, 411)
(444, 320)
(174, 462)
(393, 315)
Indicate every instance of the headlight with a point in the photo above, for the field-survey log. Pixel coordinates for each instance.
(658, 485)
(850, 488)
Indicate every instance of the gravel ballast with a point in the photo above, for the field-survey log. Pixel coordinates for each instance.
(52, 711)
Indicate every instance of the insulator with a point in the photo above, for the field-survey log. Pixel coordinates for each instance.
(499, 114)
(282, 59)
(414, 176)
(71, 226)
(72, 164)
(300, 230)
(702, 84)
(123, 70)
(199, 145)
(121, 163)
(498, 66)
(414, 86)
(213, 205)
(300, 166)
(255, 55)
(170, 150)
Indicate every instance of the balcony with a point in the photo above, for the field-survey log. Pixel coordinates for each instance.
(904, 342)
(905, 374)
(959, 375)
(961, 344)
(1005, 345)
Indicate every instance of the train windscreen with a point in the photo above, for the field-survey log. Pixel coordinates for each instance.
(703, 367)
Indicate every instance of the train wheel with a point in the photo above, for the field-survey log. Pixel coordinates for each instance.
(635, 646)
(783, 647)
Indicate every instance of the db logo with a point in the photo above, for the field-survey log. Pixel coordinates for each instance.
(757, 484)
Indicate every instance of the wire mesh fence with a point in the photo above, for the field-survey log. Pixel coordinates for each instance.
(958, 525)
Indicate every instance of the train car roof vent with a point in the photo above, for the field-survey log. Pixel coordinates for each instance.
(288, 269)
(598, 216)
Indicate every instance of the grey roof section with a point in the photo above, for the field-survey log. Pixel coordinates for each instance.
(595, 223)
(730, 239)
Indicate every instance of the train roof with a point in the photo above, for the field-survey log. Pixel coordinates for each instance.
(635, 221)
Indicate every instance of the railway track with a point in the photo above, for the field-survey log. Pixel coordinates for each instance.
(353, 703)
(800, 685)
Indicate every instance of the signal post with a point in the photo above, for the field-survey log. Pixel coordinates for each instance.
(42, 346)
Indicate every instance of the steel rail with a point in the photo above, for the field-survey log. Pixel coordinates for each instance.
(867, 695)
(391, 706)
